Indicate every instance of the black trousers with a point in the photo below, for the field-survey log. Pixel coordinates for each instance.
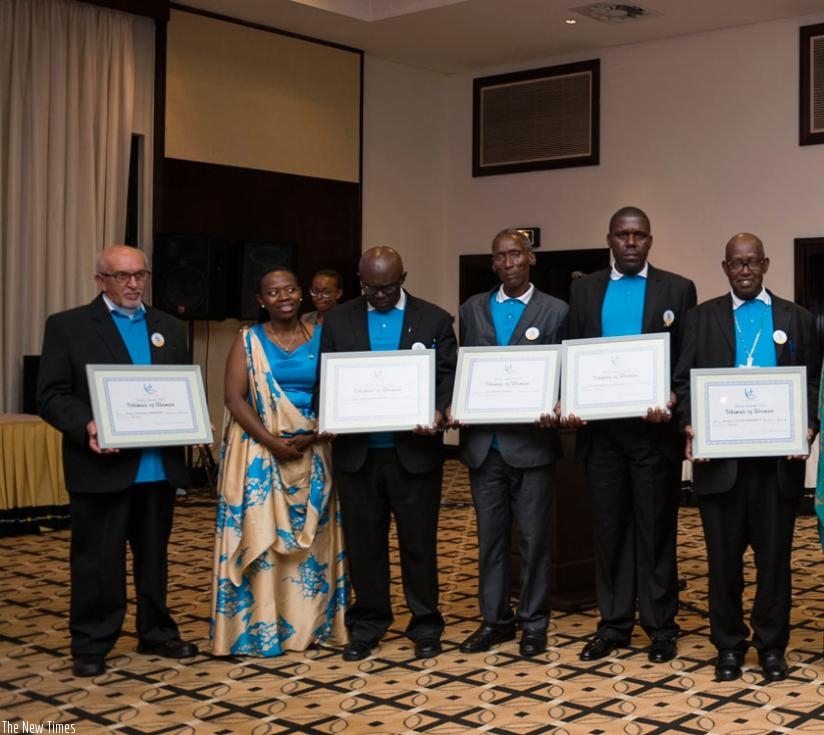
(102, 524)
(368, 498)
(635, 492)
(502, 493)
(753, 513)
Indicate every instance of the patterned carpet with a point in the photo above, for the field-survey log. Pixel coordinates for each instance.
(391, 692)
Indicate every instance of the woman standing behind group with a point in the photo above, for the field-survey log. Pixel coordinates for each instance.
(280, 578)
(326, 291)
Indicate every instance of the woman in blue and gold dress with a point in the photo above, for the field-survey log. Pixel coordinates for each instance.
(280, 580)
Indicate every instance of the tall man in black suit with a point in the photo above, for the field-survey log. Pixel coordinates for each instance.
(753, 501)
(115, 496)
(633, 465)
(398, 473)
(510, 467)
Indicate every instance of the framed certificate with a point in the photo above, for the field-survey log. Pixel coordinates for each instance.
(376, 391)
(749, 412)
(512, 385)
(148, 405)
(615, 377)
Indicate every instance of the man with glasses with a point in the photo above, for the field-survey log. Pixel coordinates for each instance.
(633, 465)
(748, 501)
(115, 496)
(391, 473)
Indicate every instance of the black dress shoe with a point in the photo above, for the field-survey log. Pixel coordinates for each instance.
(728, 665)
(88, 665)
(774, 665)
(427, 647)
(662, 650)
(598, 647)
(358, 649)
(485, 637)
(533, 643)
(175, 648)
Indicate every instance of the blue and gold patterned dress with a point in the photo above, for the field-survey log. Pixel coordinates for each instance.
(280, 580)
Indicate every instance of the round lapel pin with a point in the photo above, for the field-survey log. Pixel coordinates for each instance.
(669, 317)
(158, 340)
(418, 346)
(532, 334)
(779, 336)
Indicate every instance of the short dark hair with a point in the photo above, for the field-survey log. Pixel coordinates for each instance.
(515, 234)
(277, 269)
(330, 273)
(628, 212)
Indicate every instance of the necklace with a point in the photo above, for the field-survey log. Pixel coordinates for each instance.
(284, 347)
(751, 351)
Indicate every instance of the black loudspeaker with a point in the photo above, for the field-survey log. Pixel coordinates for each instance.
(258, 258)
(190, 276)
(31, 366)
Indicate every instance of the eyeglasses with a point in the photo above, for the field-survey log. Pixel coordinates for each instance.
(123, 277)
(754, 264)
(321, 291)
(387, 290)
(625, 235)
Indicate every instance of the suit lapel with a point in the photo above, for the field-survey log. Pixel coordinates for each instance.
(410, 332)
(109, 334)
(360, 326)
(781, 321)
(160, 355)
(726, 323)
(653, 318)
(528, 316)
(599, 287)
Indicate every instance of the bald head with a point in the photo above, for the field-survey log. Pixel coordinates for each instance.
(121, 272)
(381, 275)
(745, 265)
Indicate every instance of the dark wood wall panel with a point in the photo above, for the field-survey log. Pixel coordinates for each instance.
(321, 217)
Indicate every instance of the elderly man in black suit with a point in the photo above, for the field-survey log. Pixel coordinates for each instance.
(510, 467)
(397, 473)
(115, 496)
(753, 501)
(633, 465)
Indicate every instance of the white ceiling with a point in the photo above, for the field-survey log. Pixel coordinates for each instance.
(465, 35)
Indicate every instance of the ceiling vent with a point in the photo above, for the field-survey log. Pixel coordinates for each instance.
(614, 12)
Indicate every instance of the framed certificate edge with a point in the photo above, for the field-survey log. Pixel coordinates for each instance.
(109, 438)
(460, 390)
(615, 410)
(327, 399)
(700, 378)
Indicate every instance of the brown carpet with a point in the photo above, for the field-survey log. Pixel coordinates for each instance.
(391, 692)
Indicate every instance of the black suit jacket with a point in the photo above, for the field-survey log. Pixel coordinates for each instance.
(665, 292)
(88, 335)
(709, 342)
(520, 445)
(345, 329)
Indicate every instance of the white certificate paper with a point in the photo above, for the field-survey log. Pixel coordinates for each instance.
(615, 377)
(749, 412)
(148, 405)
(376, 391)
(512, 384)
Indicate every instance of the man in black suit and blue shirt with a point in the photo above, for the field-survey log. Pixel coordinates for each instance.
(391, 473)
(633, 465)
(511, 467)
(115, 496)
(748, 501)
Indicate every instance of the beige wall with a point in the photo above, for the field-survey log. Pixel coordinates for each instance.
(700, 131)
(244, 97)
